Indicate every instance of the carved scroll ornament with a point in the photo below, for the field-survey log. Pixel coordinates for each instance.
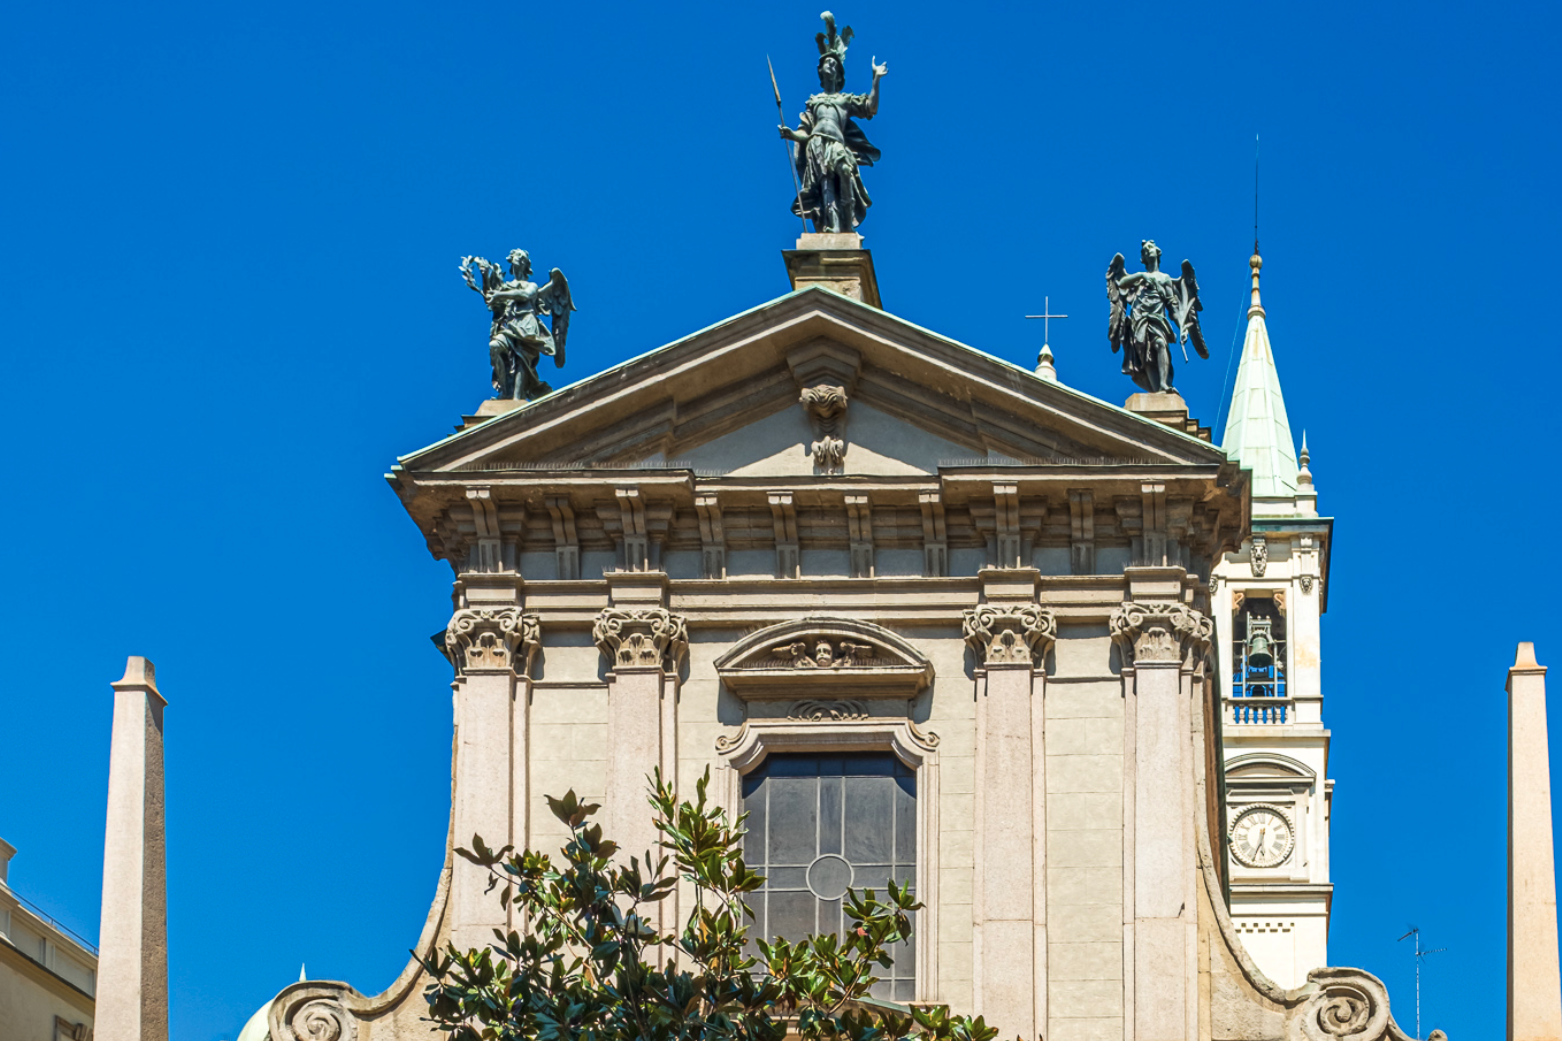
(491, 638)
(1348, 1005)
(643, 637)
(1154, 632)
(1007, 634)
(312, 1012)
(817, 711)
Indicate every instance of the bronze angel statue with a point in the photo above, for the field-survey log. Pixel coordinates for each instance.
(1145, 304)
(828, 148)
(518, 338)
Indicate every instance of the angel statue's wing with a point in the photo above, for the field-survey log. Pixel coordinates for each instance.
(1188, 308)
(1117, 323)
(554, 298)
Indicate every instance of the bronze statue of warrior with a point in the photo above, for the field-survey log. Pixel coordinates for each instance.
(828, 147)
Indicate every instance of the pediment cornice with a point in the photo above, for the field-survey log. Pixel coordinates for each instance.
(728, 375)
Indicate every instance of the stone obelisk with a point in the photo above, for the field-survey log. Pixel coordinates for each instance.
(132, 999)
(1534, 983)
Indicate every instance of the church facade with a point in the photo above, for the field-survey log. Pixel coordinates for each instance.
(925, 616)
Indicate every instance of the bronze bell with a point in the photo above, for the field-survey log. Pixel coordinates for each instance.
(1260, 644)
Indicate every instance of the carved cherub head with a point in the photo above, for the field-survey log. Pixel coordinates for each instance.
(520, 263)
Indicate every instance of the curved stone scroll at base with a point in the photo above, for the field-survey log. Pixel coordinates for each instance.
(326, 1010)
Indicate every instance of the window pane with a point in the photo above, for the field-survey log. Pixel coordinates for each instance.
(791, 915)
(906, 820)
(830, 814)
(793, 819)
(868, 819)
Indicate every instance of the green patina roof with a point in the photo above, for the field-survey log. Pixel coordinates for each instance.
(1257, 430)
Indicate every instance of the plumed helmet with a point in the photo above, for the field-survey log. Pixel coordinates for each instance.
(833, 44)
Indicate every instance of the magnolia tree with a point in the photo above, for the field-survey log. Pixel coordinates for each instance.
(590, 964)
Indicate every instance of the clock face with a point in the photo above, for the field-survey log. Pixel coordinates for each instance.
(1262, 837)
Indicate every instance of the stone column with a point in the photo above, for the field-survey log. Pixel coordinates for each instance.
(1534, 983)
(491, 647)
(132, 997)
(1010, 641)
(1161, 642)
(644, 647)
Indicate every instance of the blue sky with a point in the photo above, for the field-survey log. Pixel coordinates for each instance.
(230, 300)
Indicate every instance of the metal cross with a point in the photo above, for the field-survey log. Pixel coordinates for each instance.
(1046, 319)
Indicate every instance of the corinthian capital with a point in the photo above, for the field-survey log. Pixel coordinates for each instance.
(649, 636)
(1152, 632)
(482, 639)
(1009, 633)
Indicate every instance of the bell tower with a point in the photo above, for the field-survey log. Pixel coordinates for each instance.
(1268, 602)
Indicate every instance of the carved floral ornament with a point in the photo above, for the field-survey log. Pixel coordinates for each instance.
(1008, 634)
(641, 638)
(1160, 632)
(480, 639)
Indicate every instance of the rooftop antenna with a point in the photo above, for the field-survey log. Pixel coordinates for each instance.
(1420, 956)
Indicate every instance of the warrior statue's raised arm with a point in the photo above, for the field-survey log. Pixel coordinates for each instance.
(828, 148)
(1143, 307)
(518, 338)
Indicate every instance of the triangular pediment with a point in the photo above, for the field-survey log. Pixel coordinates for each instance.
(726, 401)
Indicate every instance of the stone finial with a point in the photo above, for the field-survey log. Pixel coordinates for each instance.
(644, 637)
(1160, 632)
(1006, 634)
(1256, 262)
(132, 997)
(1304, 476)
(1044, 365)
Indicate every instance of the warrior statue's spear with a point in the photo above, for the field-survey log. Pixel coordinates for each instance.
(791, 164)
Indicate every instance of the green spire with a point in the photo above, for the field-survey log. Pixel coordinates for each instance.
(1257, 431)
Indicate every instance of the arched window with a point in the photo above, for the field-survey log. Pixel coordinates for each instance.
(1258, 659)
(820, 824)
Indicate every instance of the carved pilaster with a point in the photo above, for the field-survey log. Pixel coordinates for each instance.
(1010, 633)
(1158, 632)
(826, 408)
(642, 637)
(491, 639)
